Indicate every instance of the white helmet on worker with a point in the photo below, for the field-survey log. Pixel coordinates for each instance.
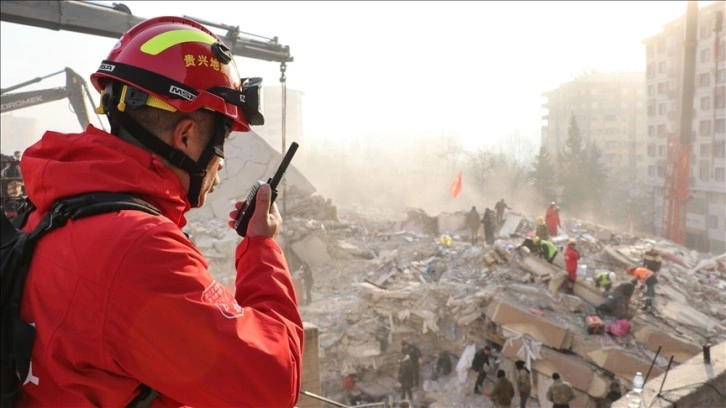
(612, 276)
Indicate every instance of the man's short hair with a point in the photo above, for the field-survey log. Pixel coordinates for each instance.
(487, 348)
(555, 376)
(501, 374)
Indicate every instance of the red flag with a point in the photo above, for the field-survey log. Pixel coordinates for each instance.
(455, 188)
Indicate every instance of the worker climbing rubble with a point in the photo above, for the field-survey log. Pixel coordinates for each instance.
(646, 280)
(499, 207)
(604, 280)
(652, 259)
(618, 301)
(546, 249)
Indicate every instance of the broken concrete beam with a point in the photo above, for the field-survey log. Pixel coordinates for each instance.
(687, 315)
(510, 226)
(579, 372)
(519, 320)
(312, 249)
(622, 364)
(538, 266)
(558, 279)
(587, 292)
(652, 338)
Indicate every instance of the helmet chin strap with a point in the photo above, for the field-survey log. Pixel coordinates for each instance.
(197, 170)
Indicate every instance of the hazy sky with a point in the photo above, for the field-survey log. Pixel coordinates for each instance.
(477, 69)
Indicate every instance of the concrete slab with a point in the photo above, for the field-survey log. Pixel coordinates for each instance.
(587, 292)
(687, 315)
(652, 338)
(622, 364)
(312, 249)
(537, 266)
(510, 226)
(521, 321)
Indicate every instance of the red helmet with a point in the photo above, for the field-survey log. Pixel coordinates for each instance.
(180, 65)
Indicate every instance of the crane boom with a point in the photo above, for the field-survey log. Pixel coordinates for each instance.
(678, 167)
(74, 90)
(105, 21)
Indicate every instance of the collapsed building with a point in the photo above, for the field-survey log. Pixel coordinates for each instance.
(379, 282)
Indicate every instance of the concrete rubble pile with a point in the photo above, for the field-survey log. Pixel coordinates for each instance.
(379, 282)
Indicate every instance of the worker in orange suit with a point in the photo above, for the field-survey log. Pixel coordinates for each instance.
(645, 279)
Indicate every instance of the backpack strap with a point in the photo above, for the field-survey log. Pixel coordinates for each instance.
(79, 206)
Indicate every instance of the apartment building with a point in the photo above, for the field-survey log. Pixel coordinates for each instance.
(706, 208)
(271, 132)
(610, 111)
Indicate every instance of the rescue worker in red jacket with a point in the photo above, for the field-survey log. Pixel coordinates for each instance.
(552, 218)
(572, 255)
(123, 299)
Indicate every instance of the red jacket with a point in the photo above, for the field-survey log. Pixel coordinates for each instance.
(571, 258)
(124, 298)
(552, 219)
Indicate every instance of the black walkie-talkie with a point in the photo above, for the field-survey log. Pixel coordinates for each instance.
(245, 213)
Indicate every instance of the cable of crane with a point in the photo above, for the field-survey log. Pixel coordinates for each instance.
(283, 95)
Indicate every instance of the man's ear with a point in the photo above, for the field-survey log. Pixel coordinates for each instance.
(183, 131)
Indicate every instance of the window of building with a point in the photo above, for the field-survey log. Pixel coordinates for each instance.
(651, 150)
(719, 98)
(661, 67)
(661, 151)
(610, 118)
(721, 51)
(705, 128)
(704, 149)
(661, 131)
(651, 171)
(650, 71)
(705, 103)
(719, 149)
(703, 79)
(720, 174)
(703, 170)
(705, 29)
(651, 90)
(721, 76)
(649, 50)
(706, 55)
(661, 171)
(662, 108)
(651, 109)
(718, 126)
(661, 46)
(713, 221)
(651, 131)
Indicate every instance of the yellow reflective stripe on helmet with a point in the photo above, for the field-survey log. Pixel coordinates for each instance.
(171, 38)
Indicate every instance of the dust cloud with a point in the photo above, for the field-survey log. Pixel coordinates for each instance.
(386, 179)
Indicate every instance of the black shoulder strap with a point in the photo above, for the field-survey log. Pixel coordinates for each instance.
(79, 206)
